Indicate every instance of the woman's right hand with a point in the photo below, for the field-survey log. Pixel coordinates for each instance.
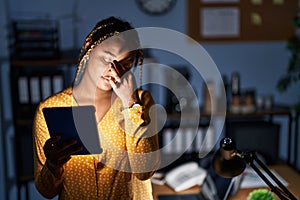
(125, 86)
(58, 155)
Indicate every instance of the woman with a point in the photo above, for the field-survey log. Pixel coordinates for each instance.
(126, 127)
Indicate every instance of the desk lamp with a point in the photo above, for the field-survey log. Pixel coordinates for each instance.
(230, 162)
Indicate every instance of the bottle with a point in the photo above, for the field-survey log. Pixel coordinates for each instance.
(235, 84)
(235, 92)
(226, 87)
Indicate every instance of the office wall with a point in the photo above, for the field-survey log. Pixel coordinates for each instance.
(253, 60)
(3, 56)
(260, 63)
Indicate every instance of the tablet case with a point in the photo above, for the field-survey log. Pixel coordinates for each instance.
(77, 122)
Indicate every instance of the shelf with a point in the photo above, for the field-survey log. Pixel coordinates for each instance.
(32, 39)
(275, 110)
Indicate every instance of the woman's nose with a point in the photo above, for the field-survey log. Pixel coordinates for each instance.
(107, 70)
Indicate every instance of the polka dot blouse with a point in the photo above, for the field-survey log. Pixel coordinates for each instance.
(124, 168)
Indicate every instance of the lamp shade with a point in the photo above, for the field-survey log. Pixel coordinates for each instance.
(225, 161)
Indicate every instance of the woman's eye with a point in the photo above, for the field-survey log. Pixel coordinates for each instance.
(106, 60)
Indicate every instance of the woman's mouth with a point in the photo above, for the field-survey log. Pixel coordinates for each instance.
(107, 79)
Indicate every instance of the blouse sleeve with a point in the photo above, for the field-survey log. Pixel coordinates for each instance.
(141, 137)
(46, 183)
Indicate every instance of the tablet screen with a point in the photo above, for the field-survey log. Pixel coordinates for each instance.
(77, 123)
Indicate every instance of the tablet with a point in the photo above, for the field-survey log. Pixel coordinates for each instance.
(77, 122)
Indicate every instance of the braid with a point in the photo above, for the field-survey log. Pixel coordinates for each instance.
(103, 30)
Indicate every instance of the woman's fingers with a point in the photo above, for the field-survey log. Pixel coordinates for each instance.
(63, 160)
(118, 67)
(68, 150)
(51, 142)
(115, 71)
(59, 155)
(65, 155)
(113, 83)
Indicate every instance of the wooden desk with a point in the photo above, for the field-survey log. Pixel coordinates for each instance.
(286, 172)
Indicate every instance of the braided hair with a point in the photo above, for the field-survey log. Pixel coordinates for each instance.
(103, 30)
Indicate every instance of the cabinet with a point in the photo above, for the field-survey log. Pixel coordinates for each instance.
(185, 138)
(268, 115)
(30, 82)
(262, 115)
(34, 39)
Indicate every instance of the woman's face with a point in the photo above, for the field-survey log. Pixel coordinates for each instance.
(99, 66)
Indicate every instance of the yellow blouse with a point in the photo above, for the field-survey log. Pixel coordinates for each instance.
(124, 168)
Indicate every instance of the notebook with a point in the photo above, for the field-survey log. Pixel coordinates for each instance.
(77, 123)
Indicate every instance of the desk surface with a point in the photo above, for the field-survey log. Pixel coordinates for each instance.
(290, 175)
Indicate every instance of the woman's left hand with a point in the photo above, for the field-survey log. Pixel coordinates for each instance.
(124, 87)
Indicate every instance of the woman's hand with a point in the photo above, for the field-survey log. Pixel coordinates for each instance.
(58, 155)
(125, 86)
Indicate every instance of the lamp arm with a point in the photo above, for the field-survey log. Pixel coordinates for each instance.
(282, 192)
(278, 182)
